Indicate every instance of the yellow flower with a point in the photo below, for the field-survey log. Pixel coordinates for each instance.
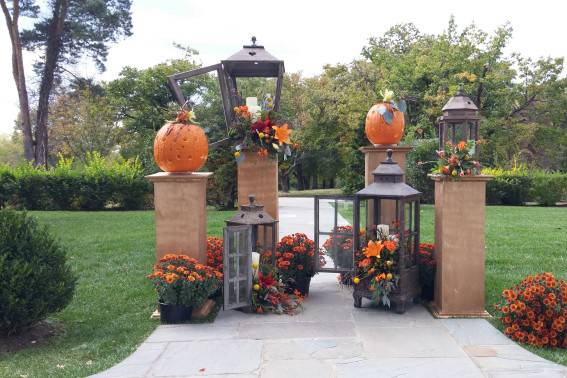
(261, 135)
(282, 134)
(356, 280)
(236, 109)
(256, 287)
(389, 276)
(454, 173)
(254, 266)
(237, 154)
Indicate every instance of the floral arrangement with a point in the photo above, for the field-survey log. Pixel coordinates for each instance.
(262, 132)
(456, 160)
(427, 266)
(294, 254)
(535, 311)
(377, 267)
(339, 247)
(215, 253)
(269, 293)
(182, 280)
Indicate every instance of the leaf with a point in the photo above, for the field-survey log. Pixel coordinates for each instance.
(402, 106)
(382, 109)
(388, 117)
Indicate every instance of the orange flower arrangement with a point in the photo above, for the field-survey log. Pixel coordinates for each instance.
(182, 280)
(535, 311)
(215, 253)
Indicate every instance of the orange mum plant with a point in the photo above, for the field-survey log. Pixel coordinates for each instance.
(535, 311)
(182, 280)
(215, 253)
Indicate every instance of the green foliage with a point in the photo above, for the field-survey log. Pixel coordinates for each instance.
(352, 176)
(418, 166)
(36, 280)
(98, 184)
(549, 188)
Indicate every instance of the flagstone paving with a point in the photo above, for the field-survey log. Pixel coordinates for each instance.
(331, 338)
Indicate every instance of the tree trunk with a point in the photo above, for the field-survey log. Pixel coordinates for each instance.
(51, 58)
(19, 75)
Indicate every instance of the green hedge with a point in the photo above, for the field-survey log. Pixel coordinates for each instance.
(98, 184)
(520, 185)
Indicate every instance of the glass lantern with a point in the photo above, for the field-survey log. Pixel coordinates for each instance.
(460, 121)
(389, 187)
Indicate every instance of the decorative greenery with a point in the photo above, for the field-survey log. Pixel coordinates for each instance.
(388, 97)
(457, 160)
(535, 311)
(182, 280)
(36, 279)
(269, 293)
(377, 267)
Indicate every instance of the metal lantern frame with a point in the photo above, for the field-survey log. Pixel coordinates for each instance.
(261, 231)
(389, 185)
(251, 61)
(460, 120)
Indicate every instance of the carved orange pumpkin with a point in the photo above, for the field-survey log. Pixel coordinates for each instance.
(180, 147)
(378, 130)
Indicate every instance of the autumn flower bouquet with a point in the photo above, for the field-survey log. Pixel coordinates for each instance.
(456, 160)
(535, 311)
(269, 293)
(295, 261)
(376, 267)
(182, 280)
(340, 246)
(262, 132)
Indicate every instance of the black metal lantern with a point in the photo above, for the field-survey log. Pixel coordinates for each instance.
(251, 230)
(389, 185)
(460, 120)
(252, 61)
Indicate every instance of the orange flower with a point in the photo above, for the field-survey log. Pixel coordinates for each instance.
(262, 152)
(462, 145)
(282, 134)
(390, 245)
(373, 249)
(171, 267)
(364, 263)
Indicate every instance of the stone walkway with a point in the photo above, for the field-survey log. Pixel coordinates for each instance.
(331, 338)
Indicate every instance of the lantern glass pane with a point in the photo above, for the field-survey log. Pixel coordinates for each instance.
(243, 291)
(237, 254)
(232, 271)
(461, 132)
(232, 299)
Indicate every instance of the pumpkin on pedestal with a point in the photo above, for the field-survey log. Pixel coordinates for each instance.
(181, 146)
(385, 121)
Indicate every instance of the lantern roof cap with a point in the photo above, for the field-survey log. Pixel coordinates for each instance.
(388, 181)
(253, 61)
(460, 101)
(251, 213)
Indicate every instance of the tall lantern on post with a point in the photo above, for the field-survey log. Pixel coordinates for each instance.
(389, 184)
(251, 61)
(249, 235)
(460, 120)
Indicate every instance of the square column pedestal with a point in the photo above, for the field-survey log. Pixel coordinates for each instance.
(373, 156)
(180, 201)
(258, 176)
(459, 246)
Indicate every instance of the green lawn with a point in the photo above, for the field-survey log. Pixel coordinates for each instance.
(113, 251)
(109, 317)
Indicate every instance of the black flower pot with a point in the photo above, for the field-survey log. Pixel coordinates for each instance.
(427, 292)
(302, 283)
(174, 314)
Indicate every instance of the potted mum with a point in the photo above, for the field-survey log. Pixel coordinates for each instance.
(182, 283)
(427, 267)
(295, 261)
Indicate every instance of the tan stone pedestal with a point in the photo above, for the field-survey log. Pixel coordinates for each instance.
(373, 156)
(459, 246)
(181, 213)
(259, 176)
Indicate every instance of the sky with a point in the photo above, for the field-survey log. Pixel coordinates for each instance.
(305, 34)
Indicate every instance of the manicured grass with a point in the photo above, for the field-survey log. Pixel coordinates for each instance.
(111, 253)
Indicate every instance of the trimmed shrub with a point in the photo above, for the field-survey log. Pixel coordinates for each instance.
(36, 280)
(549, 188)
(509, 187)
(8, 186)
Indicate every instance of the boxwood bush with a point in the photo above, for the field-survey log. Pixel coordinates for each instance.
(98, 184)
(36, 280)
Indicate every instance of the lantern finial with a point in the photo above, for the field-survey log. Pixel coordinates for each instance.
(461, 90)
(253, 40)
(251, 199)
(389, 154)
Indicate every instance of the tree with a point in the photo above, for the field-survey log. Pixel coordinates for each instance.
(70, 30)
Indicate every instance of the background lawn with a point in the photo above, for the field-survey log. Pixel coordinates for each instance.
(112, 252)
